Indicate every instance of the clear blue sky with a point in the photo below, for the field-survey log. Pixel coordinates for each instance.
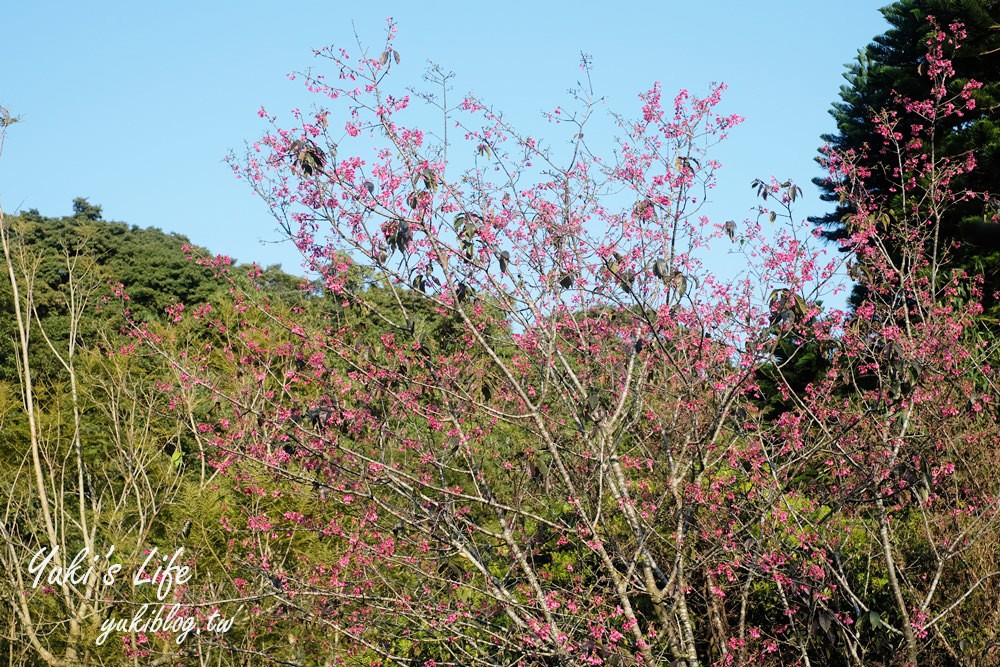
(135, 104)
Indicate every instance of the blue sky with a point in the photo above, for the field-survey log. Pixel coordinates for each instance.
(135, 105)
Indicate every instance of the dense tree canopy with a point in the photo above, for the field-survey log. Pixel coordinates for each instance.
(153, 265)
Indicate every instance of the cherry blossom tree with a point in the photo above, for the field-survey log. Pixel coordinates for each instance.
(514, 420)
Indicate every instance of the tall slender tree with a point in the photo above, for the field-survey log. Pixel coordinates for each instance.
(893, 68)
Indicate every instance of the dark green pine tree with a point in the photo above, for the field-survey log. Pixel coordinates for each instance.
(890, 65)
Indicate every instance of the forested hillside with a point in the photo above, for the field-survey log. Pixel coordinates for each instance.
(82, 246)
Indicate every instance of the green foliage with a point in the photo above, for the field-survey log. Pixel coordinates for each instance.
(151, 265)
(84, 209)
(120, 453)
(796, 364)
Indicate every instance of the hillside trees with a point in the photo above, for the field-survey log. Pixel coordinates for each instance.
(149, 261)
(97, 467)
(82, 462)
(581, 472)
